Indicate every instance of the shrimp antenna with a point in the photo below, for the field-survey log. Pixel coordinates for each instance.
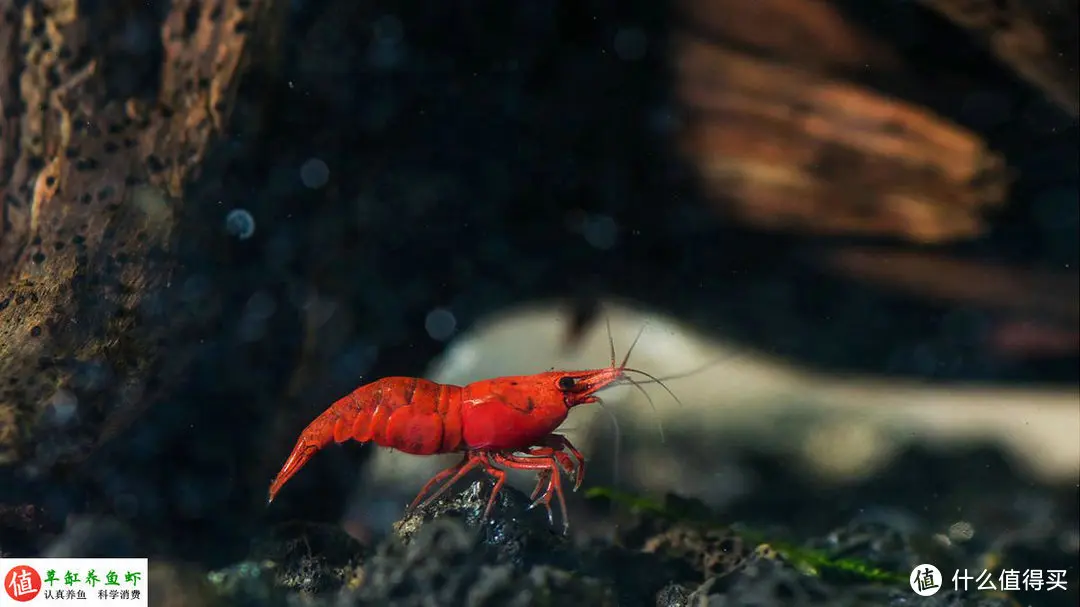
(689, 373)
(626, 359)
(618, 442)
(654, 380)
(652, 405)
(610, 339)
(610, 413)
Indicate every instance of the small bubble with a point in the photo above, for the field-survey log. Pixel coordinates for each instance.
(62, 407)
(630, 43)
(314, 173)
(354, 362)
(440, 324)
(385, 51)
(195, 288)
(319, 310)
(240, 223)
(260, 307)
(600, 231)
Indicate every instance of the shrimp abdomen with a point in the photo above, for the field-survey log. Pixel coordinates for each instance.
(410, 414)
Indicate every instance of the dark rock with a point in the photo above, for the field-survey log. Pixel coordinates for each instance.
(441, 565)
(442, 555)
(308, 558)
(23, 528)
(518, 534)
(763, 580)
(638, 577)
(292, 559)
(710, 551)
(673, 595)
(249, 584)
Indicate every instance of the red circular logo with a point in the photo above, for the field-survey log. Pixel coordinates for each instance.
(22, 583)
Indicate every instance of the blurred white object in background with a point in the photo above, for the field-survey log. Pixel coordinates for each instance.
(838, 427)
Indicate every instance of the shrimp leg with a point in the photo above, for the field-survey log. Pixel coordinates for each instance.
(548, 465)
(471, 460)
(550, 469)
(554, 456)
(555, 445)
(455, 472)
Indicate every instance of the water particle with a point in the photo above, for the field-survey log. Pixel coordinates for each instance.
(961, 531)
(630, 43)
(314, 173)
(354, 362)
(319, 310)
(440, 324)
(62, 407)
(386, 50)
(260, 307)
(600, 231)
(240, 223)
(195, 288)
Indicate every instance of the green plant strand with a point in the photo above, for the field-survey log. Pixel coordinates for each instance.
(807, 560)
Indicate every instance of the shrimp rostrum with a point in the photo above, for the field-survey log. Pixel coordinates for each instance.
(496, 424)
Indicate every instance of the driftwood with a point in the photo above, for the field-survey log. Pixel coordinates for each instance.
(783, 140)
(812, 34)
(1038, 309)
(1019, 290)
(92, 187)
(1036, 38)
(788, 131)
(779, 147)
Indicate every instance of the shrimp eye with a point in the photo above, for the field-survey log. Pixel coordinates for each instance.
(567, 383)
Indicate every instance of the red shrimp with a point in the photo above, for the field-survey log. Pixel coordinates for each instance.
(497, 424)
